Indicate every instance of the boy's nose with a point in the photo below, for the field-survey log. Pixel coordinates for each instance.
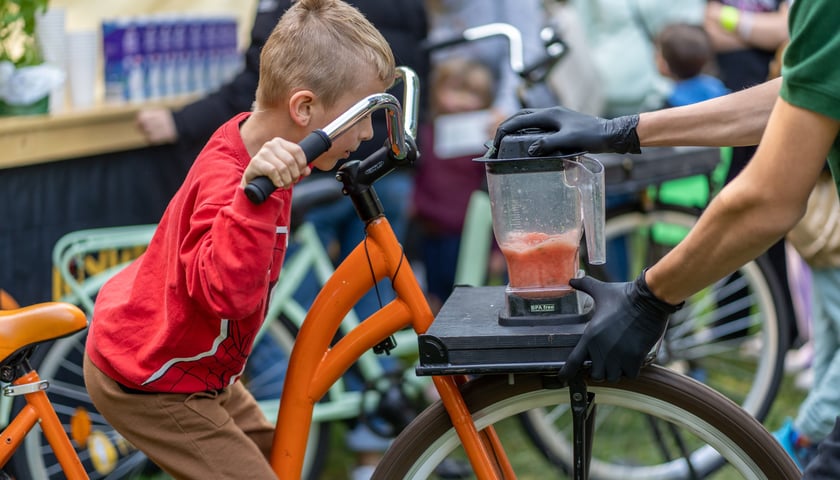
(366, 129)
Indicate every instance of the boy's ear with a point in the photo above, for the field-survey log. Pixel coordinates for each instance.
(301, 105)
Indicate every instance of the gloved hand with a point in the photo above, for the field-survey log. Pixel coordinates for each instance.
(627, 322)
(575, 132)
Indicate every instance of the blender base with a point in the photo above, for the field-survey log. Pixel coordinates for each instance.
(468, 337)
(521, 310)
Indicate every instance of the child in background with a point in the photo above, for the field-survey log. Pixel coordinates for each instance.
(462, 91)
(683, 53)
(172, 331)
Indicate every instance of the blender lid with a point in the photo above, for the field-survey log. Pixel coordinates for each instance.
(512, 155)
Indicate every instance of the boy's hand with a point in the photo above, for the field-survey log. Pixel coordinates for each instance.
(628, 322)
(574, 132)
(282, 161)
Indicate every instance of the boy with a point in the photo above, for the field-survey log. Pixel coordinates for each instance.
(172, 331)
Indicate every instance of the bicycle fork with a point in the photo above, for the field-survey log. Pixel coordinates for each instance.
(484, 449)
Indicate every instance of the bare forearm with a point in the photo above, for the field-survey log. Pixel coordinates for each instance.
(768, 30)
(754, 210)
(736, 119)
(726, 237)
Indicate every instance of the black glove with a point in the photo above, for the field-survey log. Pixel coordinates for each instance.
(627, 322)
(575, 132)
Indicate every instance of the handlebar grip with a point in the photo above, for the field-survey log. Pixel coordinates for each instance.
(313, 145)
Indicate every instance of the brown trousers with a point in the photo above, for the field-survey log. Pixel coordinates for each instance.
(205, 435)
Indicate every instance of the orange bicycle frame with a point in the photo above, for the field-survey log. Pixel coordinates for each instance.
(20, 329)
(37, 408)
(314, 366)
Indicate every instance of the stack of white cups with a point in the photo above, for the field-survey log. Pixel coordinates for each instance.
(82, 63)
(51, 35)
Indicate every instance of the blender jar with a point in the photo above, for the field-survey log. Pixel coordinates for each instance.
(540, 208)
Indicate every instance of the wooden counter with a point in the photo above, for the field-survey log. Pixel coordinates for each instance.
(27, 140)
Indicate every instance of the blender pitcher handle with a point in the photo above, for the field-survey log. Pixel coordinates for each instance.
(592, 204)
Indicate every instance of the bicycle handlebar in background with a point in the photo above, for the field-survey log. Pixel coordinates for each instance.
(401, 124)
(555, 48)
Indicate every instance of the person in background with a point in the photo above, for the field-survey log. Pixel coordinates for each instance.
(447, 174)
(449, 18)
(173, 330)
(191, 126)
(794, 117)
(620, 34)
(745, 35)
(683, 54)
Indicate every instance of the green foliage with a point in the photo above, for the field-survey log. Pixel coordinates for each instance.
(17, 31)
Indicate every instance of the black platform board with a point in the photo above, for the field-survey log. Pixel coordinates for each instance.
(467, 338)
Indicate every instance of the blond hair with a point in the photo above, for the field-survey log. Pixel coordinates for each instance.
(322, 46)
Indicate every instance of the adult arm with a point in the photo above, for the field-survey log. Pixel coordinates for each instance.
(754, 210)
(764, 30)
(732, 120)
(736, 119)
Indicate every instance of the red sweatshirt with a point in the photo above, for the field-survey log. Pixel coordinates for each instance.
(183, 316)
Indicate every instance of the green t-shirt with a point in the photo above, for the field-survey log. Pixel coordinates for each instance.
(811, 66)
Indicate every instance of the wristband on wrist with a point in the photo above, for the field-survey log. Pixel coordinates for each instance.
(745, 24)
(729, 17)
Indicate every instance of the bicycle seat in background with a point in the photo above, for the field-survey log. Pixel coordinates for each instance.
(27, 326)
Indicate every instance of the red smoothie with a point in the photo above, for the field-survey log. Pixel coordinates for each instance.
(539, 260)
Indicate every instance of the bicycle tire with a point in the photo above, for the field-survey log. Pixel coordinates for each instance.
(690, 406)
(750, 380)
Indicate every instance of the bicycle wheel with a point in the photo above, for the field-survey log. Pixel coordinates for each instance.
(684, 410)
(731, 336)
